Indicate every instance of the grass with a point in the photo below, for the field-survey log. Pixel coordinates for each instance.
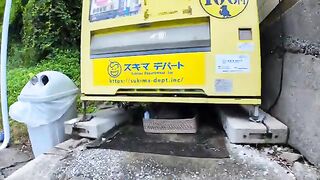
(65, 61)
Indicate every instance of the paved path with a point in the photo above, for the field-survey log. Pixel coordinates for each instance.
(12, 159)
(71, 160)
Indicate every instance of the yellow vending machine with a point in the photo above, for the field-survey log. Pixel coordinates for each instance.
(173, 51)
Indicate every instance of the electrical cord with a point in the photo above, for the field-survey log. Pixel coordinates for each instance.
(282, 60)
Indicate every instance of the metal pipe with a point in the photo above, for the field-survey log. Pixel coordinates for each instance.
(256, 112)
(4, 56)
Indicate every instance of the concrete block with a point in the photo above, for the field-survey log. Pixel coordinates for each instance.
(290, 157)
(102, 122)
(277, 128)
(265, 7)
(299, 104)
(304, 172)
(44, 166)
(240, 130)
(11, 156)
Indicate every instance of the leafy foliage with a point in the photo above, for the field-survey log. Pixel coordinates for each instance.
(16, 9)
(15, 18)
(65, 61)
(44, 35)
(50, 24)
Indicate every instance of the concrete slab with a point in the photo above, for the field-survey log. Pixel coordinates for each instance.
(71, 160)
(44, 165)
(11, 156)
(305, 172)
(265, 7)
(102, 122)
(12, 159)
(299, 104)
(277, 128)
(242, 131)
(238, 127)
(81, 163)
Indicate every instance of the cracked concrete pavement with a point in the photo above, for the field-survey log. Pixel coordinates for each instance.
(71, 160)
(12, 159)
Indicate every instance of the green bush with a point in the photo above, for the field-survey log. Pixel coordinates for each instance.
(16, 56)
(15, 18)
(44, 35)
(50, 24)
(38, 27)
(65, 61)
(16, 9)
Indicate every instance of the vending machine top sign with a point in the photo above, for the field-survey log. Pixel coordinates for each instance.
(110, 9)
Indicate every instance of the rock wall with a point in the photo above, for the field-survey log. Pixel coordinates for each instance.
(299, 50)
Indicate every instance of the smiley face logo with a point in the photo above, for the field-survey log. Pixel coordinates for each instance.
(114, 69)
(224, 9)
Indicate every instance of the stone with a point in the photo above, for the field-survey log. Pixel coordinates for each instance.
(303, 172)
(102, 122)
(11, 159)
(265, 7)
(290, 157)
(44, 165)
(63, 162)
(240, 130)
(299, 104)
(11, 156)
